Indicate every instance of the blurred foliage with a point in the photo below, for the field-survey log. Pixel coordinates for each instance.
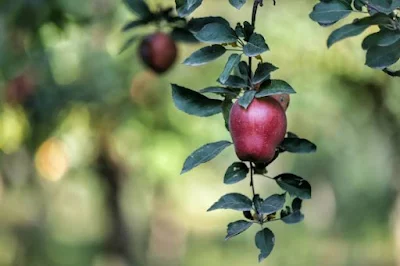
(91, 145)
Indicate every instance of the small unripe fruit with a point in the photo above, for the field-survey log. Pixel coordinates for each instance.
(158, 51)
(283, 99)
(258, 130)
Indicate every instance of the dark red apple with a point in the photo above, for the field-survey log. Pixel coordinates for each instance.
(258, 130)
(283, 99)
(158, 51)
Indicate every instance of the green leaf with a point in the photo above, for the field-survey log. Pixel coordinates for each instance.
(242, 70)
(265, 242)
(383, 57)
(330, 12)
(273, 204)
(263, 72)
(205, 55)
(194, 103)
(235, 173)
(183, 35)
(204, 154)
(255, 46)
(233, 201)
(237, 228)
(346, 31)
(239, 30)
(297, 145)
(128, 43)
(257, 201)
(196, 24)
(248, 30)
(135, 23)
(232, 92)
(226, 110)
(296, 204)
(139, 7)
(187, 7)
(292, 217)
(247, 98)
(276, 87)
(383, 6)
(234, 82)
(217, 33)
(232, 62)
(295, 185)
(382, 38)
(237, 3)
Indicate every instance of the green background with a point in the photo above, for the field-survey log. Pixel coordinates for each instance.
(89, 166)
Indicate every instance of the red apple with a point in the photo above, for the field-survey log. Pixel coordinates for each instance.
(158, 51)
(258, 130)
(283, 99)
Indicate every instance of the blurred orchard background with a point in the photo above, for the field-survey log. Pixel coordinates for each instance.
(91, 146)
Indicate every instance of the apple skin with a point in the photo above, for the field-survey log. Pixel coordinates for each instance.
(158, 51)
(258, 130)
(283, 99)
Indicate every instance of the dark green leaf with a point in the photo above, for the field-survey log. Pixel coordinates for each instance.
(247, 98)
(237, 227)
(237, 3)
(194, 103)
(330, 12)
(235, 82)
(295, 185)
(248, 30)
(383, 38)
(231, 92)
(239, 30)
(233, 201)
(292, 217)
(136, 23)
(128, 43)
(186, 7)
(297, 145)
(217, 33)
(273, 204)
(383, 57)
(204, 154)
(263, 71)
(226, 110)
(242, 70)
(232, 62)
(265, 242)
(275, 87)
(235, 173)
(255, 46)
(139, 7)
(183, 35)
(296, 204)
(346, 31)
(257, 201)
(196, 24)
(205, 55)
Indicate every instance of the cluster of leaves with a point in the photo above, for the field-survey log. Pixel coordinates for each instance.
(238, 82)
(383, 47)
(162, 18)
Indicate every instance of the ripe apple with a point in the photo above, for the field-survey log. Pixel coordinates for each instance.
(258, 130)
(158, 51)
(283, 99)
